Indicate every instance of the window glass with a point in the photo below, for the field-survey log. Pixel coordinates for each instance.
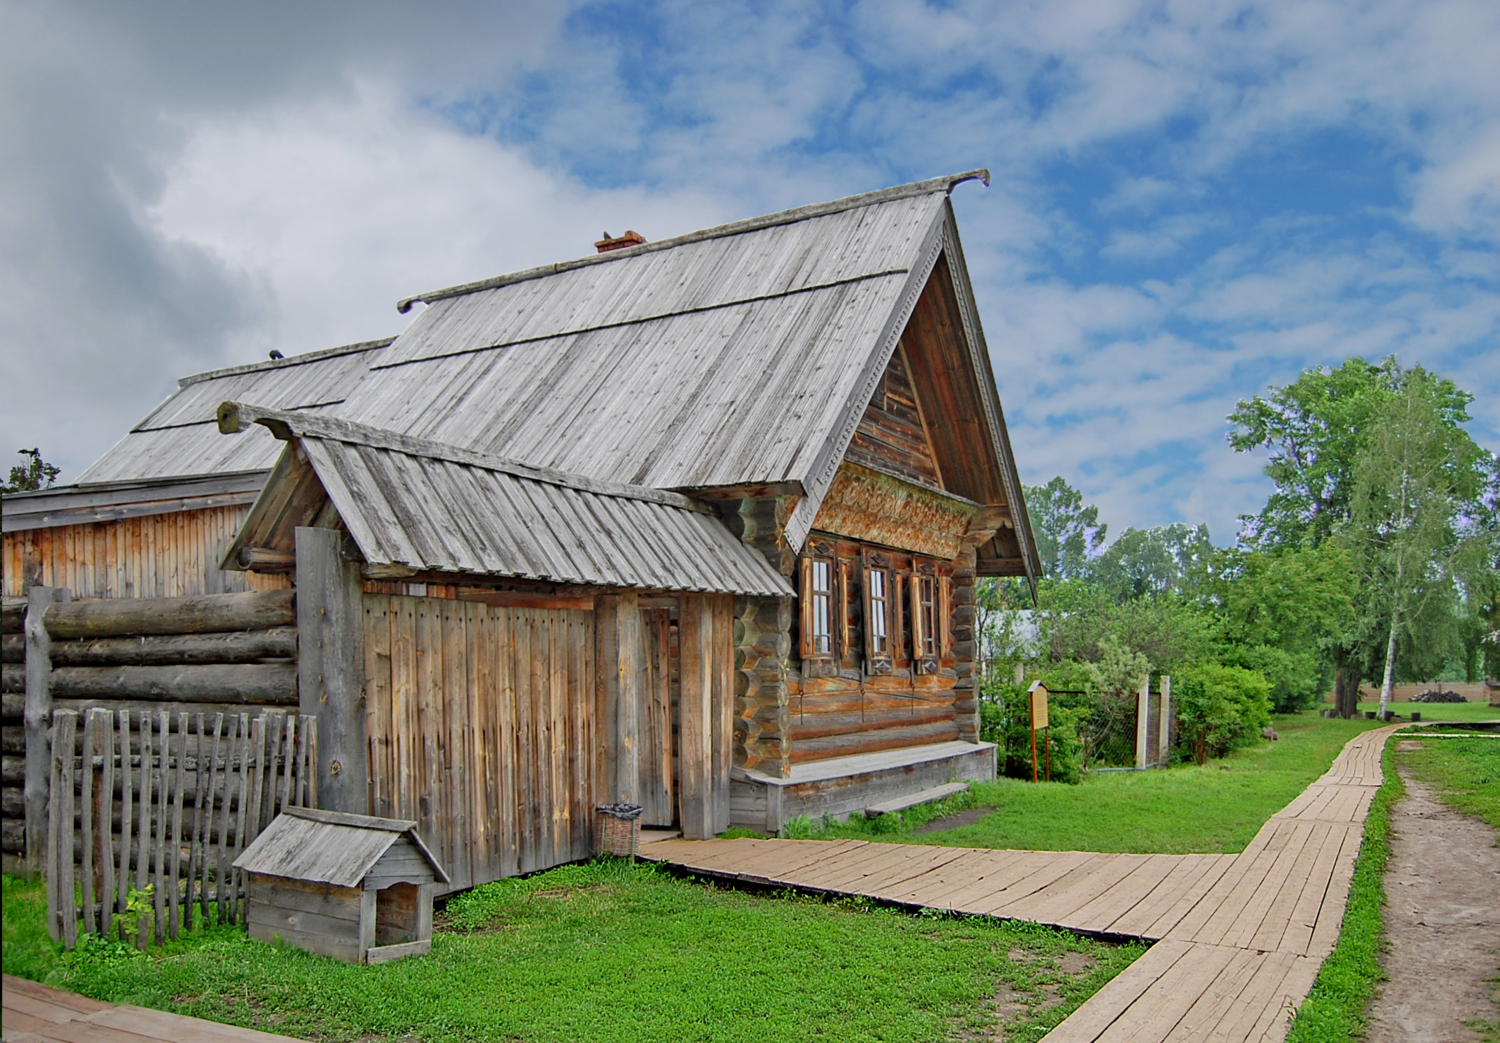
(927, 607)
(822, 607)
(880, 642)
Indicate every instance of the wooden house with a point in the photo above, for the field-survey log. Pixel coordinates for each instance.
(693, 523)
(352, 886)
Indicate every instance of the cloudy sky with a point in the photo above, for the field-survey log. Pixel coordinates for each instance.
(1192, 199)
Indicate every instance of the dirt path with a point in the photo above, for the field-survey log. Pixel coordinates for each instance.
(1442, 919)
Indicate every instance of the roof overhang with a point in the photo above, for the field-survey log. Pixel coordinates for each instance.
(113, 501)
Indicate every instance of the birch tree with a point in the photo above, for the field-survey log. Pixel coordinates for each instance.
(1418, 515)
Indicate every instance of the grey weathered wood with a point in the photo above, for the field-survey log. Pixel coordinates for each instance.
(198, 614)
(163, 787)
(38, 717)
(1142, 720)
(13, 615)
(62, 755)
(86, 803)
(695, 723)
(267, 683)
(1164, 723)
(242, 812)
(330, 629)
(127, 800)
(13, 647)
(197, 877)
(178, 649)
(178, 780)
(384, 953)
(143, 829)
(618, 651)
(343, 818)
(926, 796)
(107, 887)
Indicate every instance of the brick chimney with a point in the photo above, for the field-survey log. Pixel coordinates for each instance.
(609, 242)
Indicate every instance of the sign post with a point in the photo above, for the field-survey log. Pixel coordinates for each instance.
(1038, 693)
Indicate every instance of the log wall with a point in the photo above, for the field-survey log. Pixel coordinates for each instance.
(155, 556)
(206, 654)
(839, 707)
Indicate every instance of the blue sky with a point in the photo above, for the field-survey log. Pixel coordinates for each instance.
(1190, 201)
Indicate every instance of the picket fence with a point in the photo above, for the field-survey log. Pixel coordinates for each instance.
(150, 809)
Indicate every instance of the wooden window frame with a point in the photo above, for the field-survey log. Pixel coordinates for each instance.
(928, 618)
(847, 652)
(878, 659)
(900, 588)
(809, 597)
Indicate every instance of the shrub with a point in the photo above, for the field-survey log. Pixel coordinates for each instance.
(1005, 719)
(1220, 708)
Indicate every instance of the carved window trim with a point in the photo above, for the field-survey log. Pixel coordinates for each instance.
(877, 581)
(818, 603)
(900, 592)
(930, 617)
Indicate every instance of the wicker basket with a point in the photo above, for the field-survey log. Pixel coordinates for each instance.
(619, 829)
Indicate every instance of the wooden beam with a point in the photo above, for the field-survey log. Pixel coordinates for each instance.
(617, 657)
(1142, 705)
(695, 716)
(38, 716)
(330, 667)
(249, 646)
(199, 614)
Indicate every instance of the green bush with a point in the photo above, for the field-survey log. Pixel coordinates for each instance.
(1220, 708)
(1297, 679)
(1005, 719)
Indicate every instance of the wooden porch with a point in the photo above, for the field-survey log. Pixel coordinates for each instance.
(1239, 938)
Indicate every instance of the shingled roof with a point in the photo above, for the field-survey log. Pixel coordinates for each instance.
(740, 355)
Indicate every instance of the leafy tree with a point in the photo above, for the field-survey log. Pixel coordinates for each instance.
(1067, 533)
(1282, 612)
(1152, 562)
(1418, 517)
(1220, 708)
(32, 475)
(1081, 621)
(1317, 431)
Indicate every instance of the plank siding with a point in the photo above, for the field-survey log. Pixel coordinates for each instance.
(892, 435)
(481, 725)
(155, 556)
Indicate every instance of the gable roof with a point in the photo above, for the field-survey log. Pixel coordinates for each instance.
(740, 355)
(425, 506)
(328, 847)
(180, 439)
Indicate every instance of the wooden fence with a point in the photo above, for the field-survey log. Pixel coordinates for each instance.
(161, 801)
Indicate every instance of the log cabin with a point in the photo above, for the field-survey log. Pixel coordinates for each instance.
(693, 524)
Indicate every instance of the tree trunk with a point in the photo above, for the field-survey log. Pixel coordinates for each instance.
(1346, 690)
(1388, 682)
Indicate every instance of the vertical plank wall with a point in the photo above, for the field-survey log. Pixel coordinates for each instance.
(482, 730)
(155, 556)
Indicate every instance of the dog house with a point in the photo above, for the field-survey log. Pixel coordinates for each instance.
(354, 887)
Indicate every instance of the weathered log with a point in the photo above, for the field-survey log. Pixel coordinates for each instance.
(12, 770)
(273, 683)
(264, 559)
(178, 649)
(38, 716)
(12, 802)
(13, 836)
(12, 648)
(331, 664)
(12, 705)
(12, 615)
(12, 677)
(13, 738)
(199, 614)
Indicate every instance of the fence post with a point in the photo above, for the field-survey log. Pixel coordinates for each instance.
(38, 716)
(1164, 724)
(1142, 720)
(330, 667)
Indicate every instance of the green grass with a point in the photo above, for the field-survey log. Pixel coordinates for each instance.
(1465, 773)
(1440, 711)
(1217, 807)
(1334, 1010)
(608, 951)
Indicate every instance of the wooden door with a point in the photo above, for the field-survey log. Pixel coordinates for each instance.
(657, 783)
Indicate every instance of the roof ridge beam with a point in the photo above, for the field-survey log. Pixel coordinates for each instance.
(783, 217)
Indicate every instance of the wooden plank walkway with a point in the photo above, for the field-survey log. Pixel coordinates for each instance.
(1239, 938)
(34, 1013)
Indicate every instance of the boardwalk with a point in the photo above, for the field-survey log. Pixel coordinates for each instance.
(34, 1013)
(1239, 938)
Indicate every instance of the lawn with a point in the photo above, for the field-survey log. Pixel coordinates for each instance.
(1465, 773)
(1180, 810)
(1440, 711)
(611, 951)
